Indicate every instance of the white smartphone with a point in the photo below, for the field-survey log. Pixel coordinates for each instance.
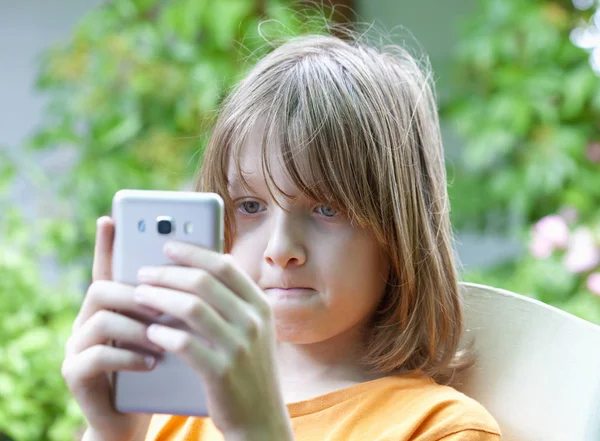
(144, 221)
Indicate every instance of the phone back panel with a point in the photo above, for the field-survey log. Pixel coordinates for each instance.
(172, 387)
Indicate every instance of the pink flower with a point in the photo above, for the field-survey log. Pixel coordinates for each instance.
(540, 248)
(593, 152)
(549, 233)
(593, 283)
(583, 254)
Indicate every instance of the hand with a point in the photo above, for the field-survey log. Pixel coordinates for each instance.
(90, 358)
(233, 339)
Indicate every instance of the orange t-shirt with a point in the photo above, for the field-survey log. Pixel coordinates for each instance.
(394, 408)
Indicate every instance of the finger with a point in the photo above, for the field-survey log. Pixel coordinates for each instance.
(207, 361)
(221, 266)
(105, 294)
(203, 284)
(190, 309)
(105, 232)
(105, 326)
(99, 359)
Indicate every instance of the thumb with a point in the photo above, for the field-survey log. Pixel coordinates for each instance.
(105, 233)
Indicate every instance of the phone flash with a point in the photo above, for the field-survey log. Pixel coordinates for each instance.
(142, 226)
(188, 228)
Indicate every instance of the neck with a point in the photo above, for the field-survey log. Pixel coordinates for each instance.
(308, 370)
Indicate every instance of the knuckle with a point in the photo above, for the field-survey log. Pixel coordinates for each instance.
(264, 311)
(224, 367)
(96, 288)
(201, 282)
(99, 322)
(185, 344)
(226, 266)
(158, 275)
(221, 370)
(240, 350)
(97, 354)
(161, 273)
(195, 310)
(69, 346)
(253, 327)
(65, 369)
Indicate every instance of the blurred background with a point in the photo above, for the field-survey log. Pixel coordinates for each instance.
(96, 96)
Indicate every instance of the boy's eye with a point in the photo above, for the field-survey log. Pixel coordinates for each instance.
(250, 207)
(327, 211)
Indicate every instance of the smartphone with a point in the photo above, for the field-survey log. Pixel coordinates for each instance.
(144, 221)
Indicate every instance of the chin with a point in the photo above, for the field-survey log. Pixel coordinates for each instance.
(297, 332)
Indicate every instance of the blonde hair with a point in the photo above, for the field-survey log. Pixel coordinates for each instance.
(366, 122)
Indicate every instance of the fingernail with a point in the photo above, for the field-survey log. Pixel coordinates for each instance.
(152, 330)
(150, 361)
(170, 248)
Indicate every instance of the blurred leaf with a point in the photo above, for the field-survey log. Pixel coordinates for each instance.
(526, 104)
(584, 305)
(7, 171)
(226, 19)
(556, 284)
(488, 149)
(578, 88)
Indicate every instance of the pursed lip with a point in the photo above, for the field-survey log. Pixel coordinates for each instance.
(288, 291)
(289, 294)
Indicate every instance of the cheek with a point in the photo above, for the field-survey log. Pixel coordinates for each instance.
(247, 253)
(357, 268)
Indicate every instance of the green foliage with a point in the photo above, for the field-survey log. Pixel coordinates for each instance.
(36, 322)
(7, 171)
(527, 104)
(131, 98)
(134, 92)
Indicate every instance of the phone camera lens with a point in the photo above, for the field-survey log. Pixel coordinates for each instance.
(165, 225)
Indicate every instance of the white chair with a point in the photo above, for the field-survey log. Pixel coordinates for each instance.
(538, 369)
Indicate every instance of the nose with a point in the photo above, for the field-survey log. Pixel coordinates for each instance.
(285, 247)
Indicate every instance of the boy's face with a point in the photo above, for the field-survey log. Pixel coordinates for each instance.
(322, 276)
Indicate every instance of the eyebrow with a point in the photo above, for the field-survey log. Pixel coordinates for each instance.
(235, 184)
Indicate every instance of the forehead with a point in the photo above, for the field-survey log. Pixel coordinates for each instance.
(260, 159)
(246, 158)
